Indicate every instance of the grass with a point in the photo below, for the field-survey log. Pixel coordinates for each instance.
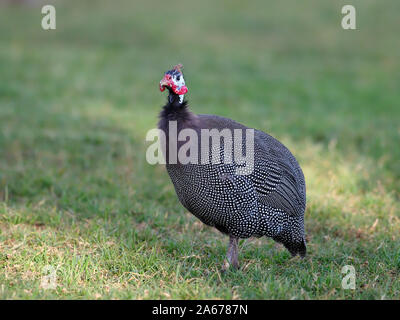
(75, 104)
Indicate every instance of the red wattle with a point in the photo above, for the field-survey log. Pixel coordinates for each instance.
(182, 90)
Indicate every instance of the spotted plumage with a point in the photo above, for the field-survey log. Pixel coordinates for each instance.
(269, 201)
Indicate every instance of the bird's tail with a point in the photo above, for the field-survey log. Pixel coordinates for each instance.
(295, 247)
(291, 233)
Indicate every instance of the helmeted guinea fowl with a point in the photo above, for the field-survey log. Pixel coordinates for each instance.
(267, 201)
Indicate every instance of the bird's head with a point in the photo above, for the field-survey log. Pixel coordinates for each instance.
(175, 83)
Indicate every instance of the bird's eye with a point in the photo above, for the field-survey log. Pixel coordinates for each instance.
(178, 78)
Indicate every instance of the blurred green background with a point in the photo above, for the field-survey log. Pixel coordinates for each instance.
(75, 105)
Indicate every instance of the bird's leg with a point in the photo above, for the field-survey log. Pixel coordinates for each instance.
(232, 254)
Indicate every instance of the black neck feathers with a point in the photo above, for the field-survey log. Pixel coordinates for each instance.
(176, 111)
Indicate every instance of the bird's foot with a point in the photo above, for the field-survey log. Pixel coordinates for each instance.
(227, 265)
(232, 255)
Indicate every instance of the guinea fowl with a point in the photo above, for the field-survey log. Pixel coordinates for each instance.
(268, 200)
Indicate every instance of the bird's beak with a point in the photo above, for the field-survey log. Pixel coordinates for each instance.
(165, 82)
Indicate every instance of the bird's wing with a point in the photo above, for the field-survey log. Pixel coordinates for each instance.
(276, 186)
(278, 178)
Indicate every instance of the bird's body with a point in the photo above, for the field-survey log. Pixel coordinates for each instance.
(267, 201)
